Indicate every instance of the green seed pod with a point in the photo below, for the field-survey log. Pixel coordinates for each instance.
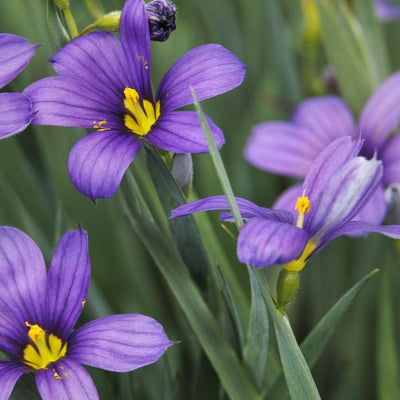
(286, 288)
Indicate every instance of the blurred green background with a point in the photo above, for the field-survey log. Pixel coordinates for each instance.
(285, 62)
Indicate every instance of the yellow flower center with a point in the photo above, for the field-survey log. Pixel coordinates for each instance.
(299, 263)
(45, 349)
(141, 115)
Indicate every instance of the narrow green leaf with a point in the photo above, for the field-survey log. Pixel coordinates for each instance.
(218, 163)
(255, 351)
(57, 24)
(346, 48)
(386, 351)
(162, 248)
(184, 231)
(298, 377)
(314, 344)
(374, 40)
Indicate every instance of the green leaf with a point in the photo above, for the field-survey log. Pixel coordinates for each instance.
(298, 377)
(386, 351)
(348, 52)
(314, 344)
(160, 245)
(184, 230)
(57, 24)
(255, 351)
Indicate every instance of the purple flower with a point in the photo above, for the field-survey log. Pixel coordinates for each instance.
(386, 10)
(38, 312)
(289, 148)
(336, 188)
(105, 84)
(15, 108)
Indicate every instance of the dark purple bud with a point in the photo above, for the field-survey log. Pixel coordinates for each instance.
(161, 16)
(330, 80)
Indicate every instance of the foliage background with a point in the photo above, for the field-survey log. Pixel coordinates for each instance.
(284, 66)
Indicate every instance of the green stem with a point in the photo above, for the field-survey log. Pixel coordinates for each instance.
(71, 22)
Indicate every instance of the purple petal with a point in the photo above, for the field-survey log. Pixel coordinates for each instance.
(359, 228)
(247, 209)
(332, 158)
(22, 278)
(375, 209)
(15, 113)
(328, 117)
(344, 195)
(391, 160)
(386, 10)
(15, 54)
(135, 39)
(381, 114)
(12, 332)
(282, 148)
(210, 69)
(181, 132)
(99, 160)
(67, 380)
(63, 101)
(119, 342)
(10, 372)
(67, 283)
(97, 62)
(264, 242)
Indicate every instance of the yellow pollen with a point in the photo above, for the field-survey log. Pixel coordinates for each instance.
(45, 348)
(299, 263)
(141, 115)
(83, 303)
(100, 125)
(302, 206)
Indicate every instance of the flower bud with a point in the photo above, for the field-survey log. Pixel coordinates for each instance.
(182, 171)
(392, 197)
(160, 14)
(161, 17)
(286, 288)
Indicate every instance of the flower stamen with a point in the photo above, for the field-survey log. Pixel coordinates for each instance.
(45, 348)
(142, 115)
(302, 206)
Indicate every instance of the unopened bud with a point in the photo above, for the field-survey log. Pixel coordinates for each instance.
(392, 197)
(161, 17)
(182, 171)
(160, 14)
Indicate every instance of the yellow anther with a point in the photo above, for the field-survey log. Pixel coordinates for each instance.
(100, 125)
(45, 349)
(302, 206)
(83, 303)
(141, 115)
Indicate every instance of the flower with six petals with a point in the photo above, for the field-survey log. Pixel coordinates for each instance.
(105, 84)
(38, 312)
